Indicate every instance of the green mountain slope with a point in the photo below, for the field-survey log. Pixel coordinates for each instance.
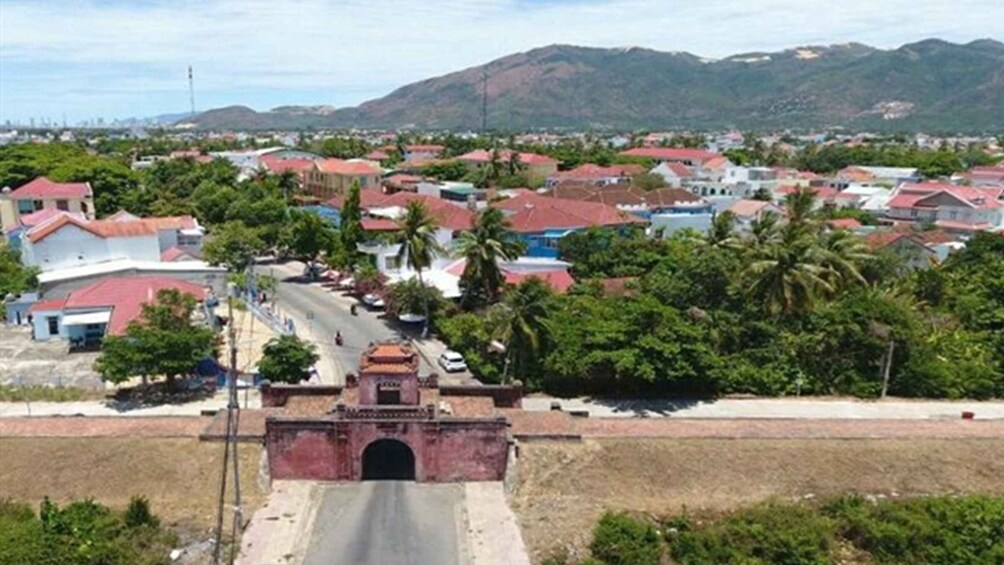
(931, 84)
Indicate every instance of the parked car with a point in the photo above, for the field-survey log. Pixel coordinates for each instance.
(452, 361)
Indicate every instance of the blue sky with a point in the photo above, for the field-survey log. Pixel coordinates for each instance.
(122, 58)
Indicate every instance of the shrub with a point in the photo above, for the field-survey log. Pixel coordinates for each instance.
(138, 513)
(620, 539)
(931, 530)
(767, 534)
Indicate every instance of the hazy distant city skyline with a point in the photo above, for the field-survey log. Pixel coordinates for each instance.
(119, 59)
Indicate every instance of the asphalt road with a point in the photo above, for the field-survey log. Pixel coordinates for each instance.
(389, 523)
(318, 313)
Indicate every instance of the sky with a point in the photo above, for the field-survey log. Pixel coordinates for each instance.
(84, 59)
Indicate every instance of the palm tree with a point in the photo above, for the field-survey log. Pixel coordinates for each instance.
(799, 205)
(519, 322)
(419, 246)
(843, 254)
(765, 230)
(722, 232)
(788, 277)
(483, 247)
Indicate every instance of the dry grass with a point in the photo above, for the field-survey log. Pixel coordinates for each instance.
(179, 476)
(564, 487)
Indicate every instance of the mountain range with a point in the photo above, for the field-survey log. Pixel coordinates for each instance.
(930, 85)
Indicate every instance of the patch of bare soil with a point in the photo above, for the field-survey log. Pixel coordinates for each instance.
(563, 487)
(179, 476)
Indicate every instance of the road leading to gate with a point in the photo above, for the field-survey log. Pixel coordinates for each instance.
(318, 314)
(389, 523)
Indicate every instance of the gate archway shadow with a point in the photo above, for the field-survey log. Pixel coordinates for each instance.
(388, 460)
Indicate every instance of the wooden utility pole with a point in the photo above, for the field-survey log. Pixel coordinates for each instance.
(230, 448)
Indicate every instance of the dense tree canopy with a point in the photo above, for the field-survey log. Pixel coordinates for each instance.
(287, 359)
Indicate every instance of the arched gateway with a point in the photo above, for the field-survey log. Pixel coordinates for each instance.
(388, 460)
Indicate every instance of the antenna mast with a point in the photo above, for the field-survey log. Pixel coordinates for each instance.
(191, 90)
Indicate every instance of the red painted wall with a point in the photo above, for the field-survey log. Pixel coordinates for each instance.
(446, 450)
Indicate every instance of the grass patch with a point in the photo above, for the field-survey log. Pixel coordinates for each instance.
(40, 393)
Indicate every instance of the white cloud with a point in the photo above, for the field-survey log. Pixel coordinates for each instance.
(70, 55)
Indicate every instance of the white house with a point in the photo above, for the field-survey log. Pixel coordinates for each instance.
(66, 241)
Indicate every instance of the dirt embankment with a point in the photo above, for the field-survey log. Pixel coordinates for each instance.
(179, 476)
(564, 487)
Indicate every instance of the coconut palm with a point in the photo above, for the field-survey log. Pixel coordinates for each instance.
(483, 247)
(799, 205)
(765, 230)
(843, 254)
(722, 232)
(519, 322)
(788, 276)
(417, 238)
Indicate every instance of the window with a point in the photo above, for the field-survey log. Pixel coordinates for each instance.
(63, 205)
(25, 207)
(37, 205)
(393, 262)
(53, 322)
(83, 208)
(364, 181)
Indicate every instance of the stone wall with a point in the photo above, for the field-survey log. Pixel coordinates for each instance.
(273, 395)
(446, 450)
(504, 396)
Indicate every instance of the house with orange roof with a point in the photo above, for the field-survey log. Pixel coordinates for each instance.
(596, 174)
(330, 177)
(682, 155)
(541, 221)
(64, 240)
(957, 208)
(43, 194)
(87, 314)
(536, 167)
(422, 151)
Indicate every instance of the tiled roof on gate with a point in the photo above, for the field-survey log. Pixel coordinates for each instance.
(43, 188)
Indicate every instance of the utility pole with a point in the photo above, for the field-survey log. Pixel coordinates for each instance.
(888, 368)
(230, 448)
(191, 90)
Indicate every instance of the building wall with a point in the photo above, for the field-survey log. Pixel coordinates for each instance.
(446, 450)
(326, 185)
(215, 278)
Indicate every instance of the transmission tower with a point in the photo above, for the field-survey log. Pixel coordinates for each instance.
(191, 90)
(484, 99)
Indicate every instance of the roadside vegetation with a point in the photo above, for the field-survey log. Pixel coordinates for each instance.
(39, 393)
(82, 532)
(851, 529)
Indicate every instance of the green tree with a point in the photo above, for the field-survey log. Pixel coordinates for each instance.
(787, 277)
(489, 242)
(649, 181)
(15, 278)
(164, 341)
(417, 238)
(233, 245)
(308, 236)
(287, 359)
(519, 323)
(350, 226)
(619, 539)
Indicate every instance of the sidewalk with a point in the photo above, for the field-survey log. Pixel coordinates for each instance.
(784, 408)
(106, 408)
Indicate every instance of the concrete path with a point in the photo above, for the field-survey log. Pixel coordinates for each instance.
(279, 532)
(107, 408)
(389, 523)
(492, 530)
(798, 408)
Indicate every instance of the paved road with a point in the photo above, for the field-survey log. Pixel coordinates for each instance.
(796, 408)
(389, 523)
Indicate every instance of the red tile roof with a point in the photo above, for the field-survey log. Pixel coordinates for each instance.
(844, 224)
(448, 215)
(910, 195)
(277, 165)
(558, 279)
(379, 224)
(535, 213)
(670, 153)
(485, 156)
(44, 215)
(42, 188)
(748, 208)
(48, 305)
(120, 224)
(368, 198)
(376, 155)
(126, 296)
(175, 254)
(679, 169)
(429, 148)
(346, 168)
(589, 171)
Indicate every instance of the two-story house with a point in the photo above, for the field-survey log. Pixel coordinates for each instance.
(44, 194)
(948, 206)
(329, 177)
